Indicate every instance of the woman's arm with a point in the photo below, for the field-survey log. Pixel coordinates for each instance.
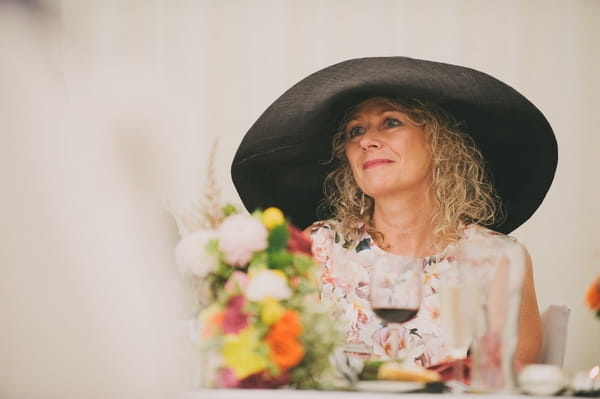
(530, 325)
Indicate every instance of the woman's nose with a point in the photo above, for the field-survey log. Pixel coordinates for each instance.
(370, 140)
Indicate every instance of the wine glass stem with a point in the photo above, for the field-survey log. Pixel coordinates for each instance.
(394, 341)
(459, 371)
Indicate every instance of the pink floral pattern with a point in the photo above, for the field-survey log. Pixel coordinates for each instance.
(345, 275)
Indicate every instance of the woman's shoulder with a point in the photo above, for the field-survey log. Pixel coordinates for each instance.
(329, 224)
(478, 233)
(322, 231)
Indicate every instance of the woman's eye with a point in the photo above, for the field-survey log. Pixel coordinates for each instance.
(392, 122)
(355, 132)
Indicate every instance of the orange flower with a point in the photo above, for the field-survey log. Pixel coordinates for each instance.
(592, 296)
(213, 324)
(286, 351)
(287, 326)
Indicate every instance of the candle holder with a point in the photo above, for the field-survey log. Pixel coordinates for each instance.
(586, 383)
(543, 379)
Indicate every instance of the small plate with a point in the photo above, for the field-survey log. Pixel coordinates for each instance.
(388, 386)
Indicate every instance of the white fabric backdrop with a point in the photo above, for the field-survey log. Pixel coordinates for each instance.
(190, 71)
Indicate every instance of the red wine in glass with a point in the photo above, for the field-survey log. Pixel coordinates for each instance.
(395, 315)
(395, 293)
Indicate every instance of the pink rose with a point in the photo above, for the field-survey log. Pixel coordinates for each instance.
(235, 318)
(226, 379)
(238, 281)
(239, 236)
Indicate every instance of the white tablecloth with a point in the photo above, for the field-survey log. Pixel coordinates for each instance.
(306, 394)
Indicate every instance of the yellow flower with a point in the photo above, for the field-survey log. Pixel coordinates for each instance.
(272, 217)
(271, 311)
(243, 353)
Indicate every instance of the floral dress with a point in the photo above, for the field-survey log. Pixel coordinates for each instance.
(344, 287)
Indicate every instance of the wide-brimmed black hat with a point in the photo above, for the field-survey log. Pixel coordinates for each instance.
(280, 160)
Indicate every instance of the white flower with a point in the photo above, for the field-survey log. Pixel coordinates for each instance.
(191, 256)
(268, 283)
(239, 236)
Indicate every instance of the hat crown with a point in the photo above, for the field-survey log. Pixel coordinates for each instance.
(280, 160)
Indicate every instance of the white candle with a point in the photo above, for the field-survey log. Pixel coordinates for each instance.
(587, 380)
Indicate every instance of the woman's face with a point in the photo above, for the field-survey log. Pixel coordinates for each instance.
(389, 155)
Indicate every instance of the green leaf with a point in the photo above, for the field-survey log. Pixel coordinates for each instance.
(253, 308)
(278, 238)
(223, 270)
(229, 210)
(303, 263)
(255, 268)
(370, 369)
(280, 260)
(319, 339)
(259, 260)
(305, 287)
(212, 247)
(257, 213)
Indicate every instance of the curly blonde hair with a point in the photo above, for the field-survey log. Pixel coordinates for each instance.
(461, 189)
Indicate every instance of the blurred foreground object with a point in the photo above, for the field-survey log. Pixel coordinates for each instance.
(592, 297)
(87, 294)
(500, 269)
(264, 326)
(542, 379)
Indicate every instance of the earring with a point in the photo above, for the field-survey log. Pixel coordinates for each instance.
(362, 204)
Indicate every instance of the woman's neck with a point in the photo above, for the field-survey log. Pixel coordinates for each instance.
(405, 225)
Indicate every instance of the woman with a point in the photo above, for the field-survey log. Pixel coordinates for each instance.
(407, 178)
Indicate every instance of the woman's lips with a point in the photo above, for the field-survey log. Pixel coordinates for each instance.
(375, 162)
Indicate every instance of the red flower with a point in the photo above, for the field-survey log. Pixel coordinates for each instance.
(298, 242)
(263, 380)
(235, 319)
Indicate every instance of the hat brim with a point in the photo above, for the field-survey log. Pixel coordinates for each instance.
(280, 160)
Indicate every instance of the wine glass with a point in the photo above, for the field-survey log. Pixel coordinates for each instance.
(395, 293)
(458, 294)
(461, 295)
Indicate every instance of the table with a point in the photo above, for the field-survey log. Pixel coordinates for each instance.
(308, 394)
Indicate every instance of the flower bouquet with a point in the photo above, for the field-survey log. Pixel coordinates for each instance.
(261, 322)
(592, 297)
